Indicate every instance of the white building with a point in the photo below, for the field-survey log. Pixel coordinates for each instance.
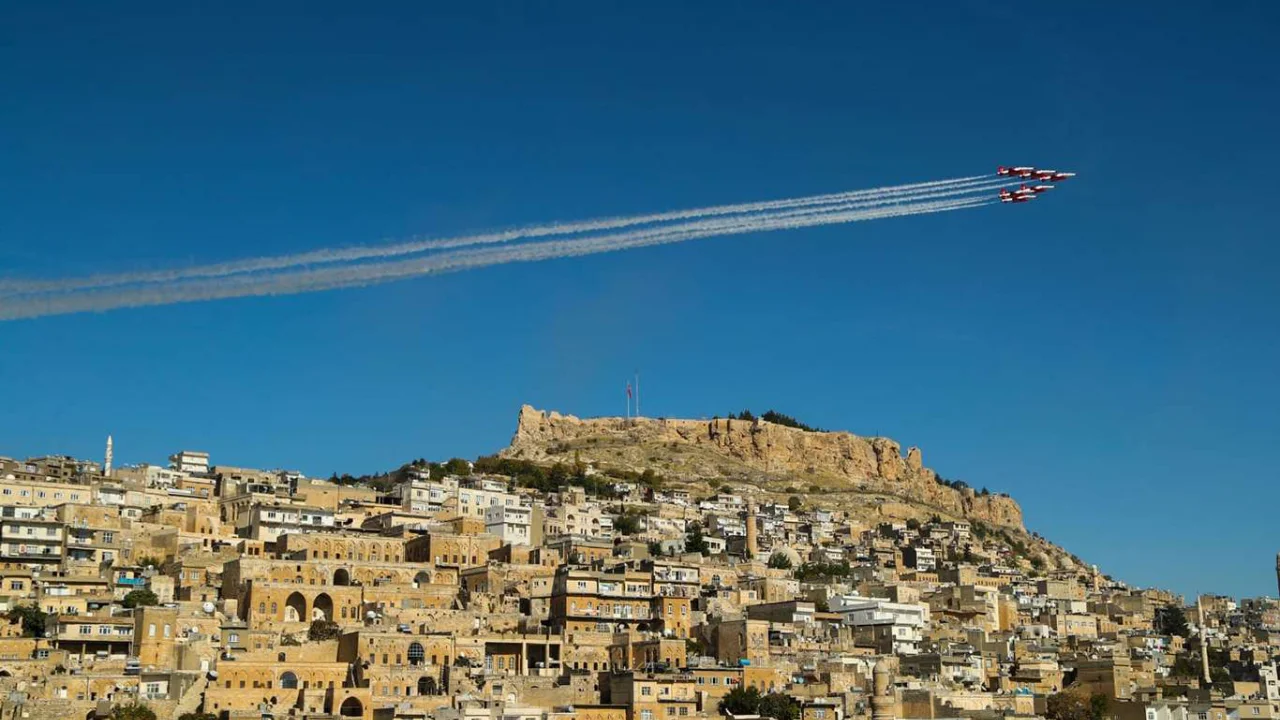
(422, 495)
(513, 524)
(904, 621)
(269, 522)
(587, 520)
(190, 461)
(474, 503)
(1267, 678)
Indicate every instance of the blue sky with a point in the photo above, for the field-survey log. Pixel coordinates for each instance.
(1107, 356)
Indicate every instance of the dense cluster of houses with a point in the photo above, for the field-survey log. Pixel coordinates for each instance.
(240, 593)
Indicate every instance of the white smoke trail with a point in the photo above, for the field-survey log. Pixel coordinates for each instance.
(317, 279)
(334, 255)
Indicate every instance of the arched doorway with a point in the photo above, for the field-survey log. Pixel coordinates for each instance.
(422, 578)
(289, 681)
(295, 608)
(341, 577)
(426, 685)
(322, 609)
(351, 707)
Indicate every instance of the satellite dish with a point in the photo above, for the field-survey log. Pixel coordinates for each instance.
(371, 615)
(207, 607)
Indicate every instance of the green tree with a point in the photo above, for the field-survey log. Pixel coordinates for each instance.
(778, 418)
(650, 479)
(913, 524)
(779, 561)
(132, 711)
(794, 503)
(1099, 706)
(741, 701)
(1076, 705)
(627, 524)
(141, 597)
(779, 706)
(148, 561)
(655, 549)
(558, 475)
(197, 716)
(1172, 620)
(694, 541)
(457, 466)
(31, 617)
(324, 630)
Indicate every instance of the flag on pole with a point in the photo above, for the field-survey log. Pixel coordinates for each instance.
(628, 390)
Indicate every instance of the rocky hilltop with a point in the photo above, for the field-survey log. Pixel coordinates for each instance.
(763, 453)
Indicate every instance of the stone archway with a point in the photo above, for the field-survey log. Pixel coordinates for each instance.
(426, 685)
(295, 608)
(351, 707)
(322, 608)
(341, 577)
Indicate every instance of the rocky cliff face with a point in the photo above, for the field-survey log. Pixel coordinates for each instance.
(710, 449)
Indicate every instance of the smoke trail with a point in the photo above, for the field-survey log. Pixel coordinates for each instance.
(317, 279)
(15, 287)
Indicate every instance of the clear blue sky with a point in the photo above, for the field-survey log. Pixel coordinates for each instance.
(1107, 356)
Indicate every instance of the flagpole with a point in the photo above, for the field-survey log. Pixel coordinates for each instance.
(637, 393)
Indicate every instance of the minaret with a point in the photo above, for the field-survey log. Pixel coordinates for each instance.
(106, 465)
(883, 703)
(1204, 643)
(753, 543)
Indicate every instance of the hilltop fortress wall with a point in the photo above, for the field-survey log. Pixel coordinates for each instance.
(874, 465)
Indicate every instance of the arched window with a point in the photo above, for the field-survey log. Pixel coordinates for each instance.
(280, 657)
(289, 681)
(416, 653)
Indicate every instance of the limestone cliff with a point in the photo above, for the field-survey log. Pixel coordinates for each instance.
(838, 462)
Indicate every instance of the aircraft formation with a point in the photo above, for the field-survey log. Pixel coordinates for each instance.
(1044, 180)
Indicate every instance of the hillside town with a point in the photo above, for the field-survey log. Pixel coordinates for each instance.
(503, 589)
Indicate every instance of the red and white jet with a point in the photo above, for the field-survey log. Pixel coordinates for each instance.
(1025, 171)
(1053, 175)
(1036, 189)
(1016, 196)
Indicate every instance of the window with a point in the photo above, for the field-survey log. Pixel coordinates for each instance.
(153, 688)
(646, 715)
(232, 638)
(42, 654)
(151, 630)
(108, 537)
(86, 630)
(646, 690)
(819, 714)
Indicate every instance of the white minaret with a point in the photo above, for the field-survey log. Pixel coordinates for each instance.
(106, 466)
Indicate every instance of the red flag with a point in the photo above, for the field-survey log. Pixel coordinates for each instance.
(628, 391)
